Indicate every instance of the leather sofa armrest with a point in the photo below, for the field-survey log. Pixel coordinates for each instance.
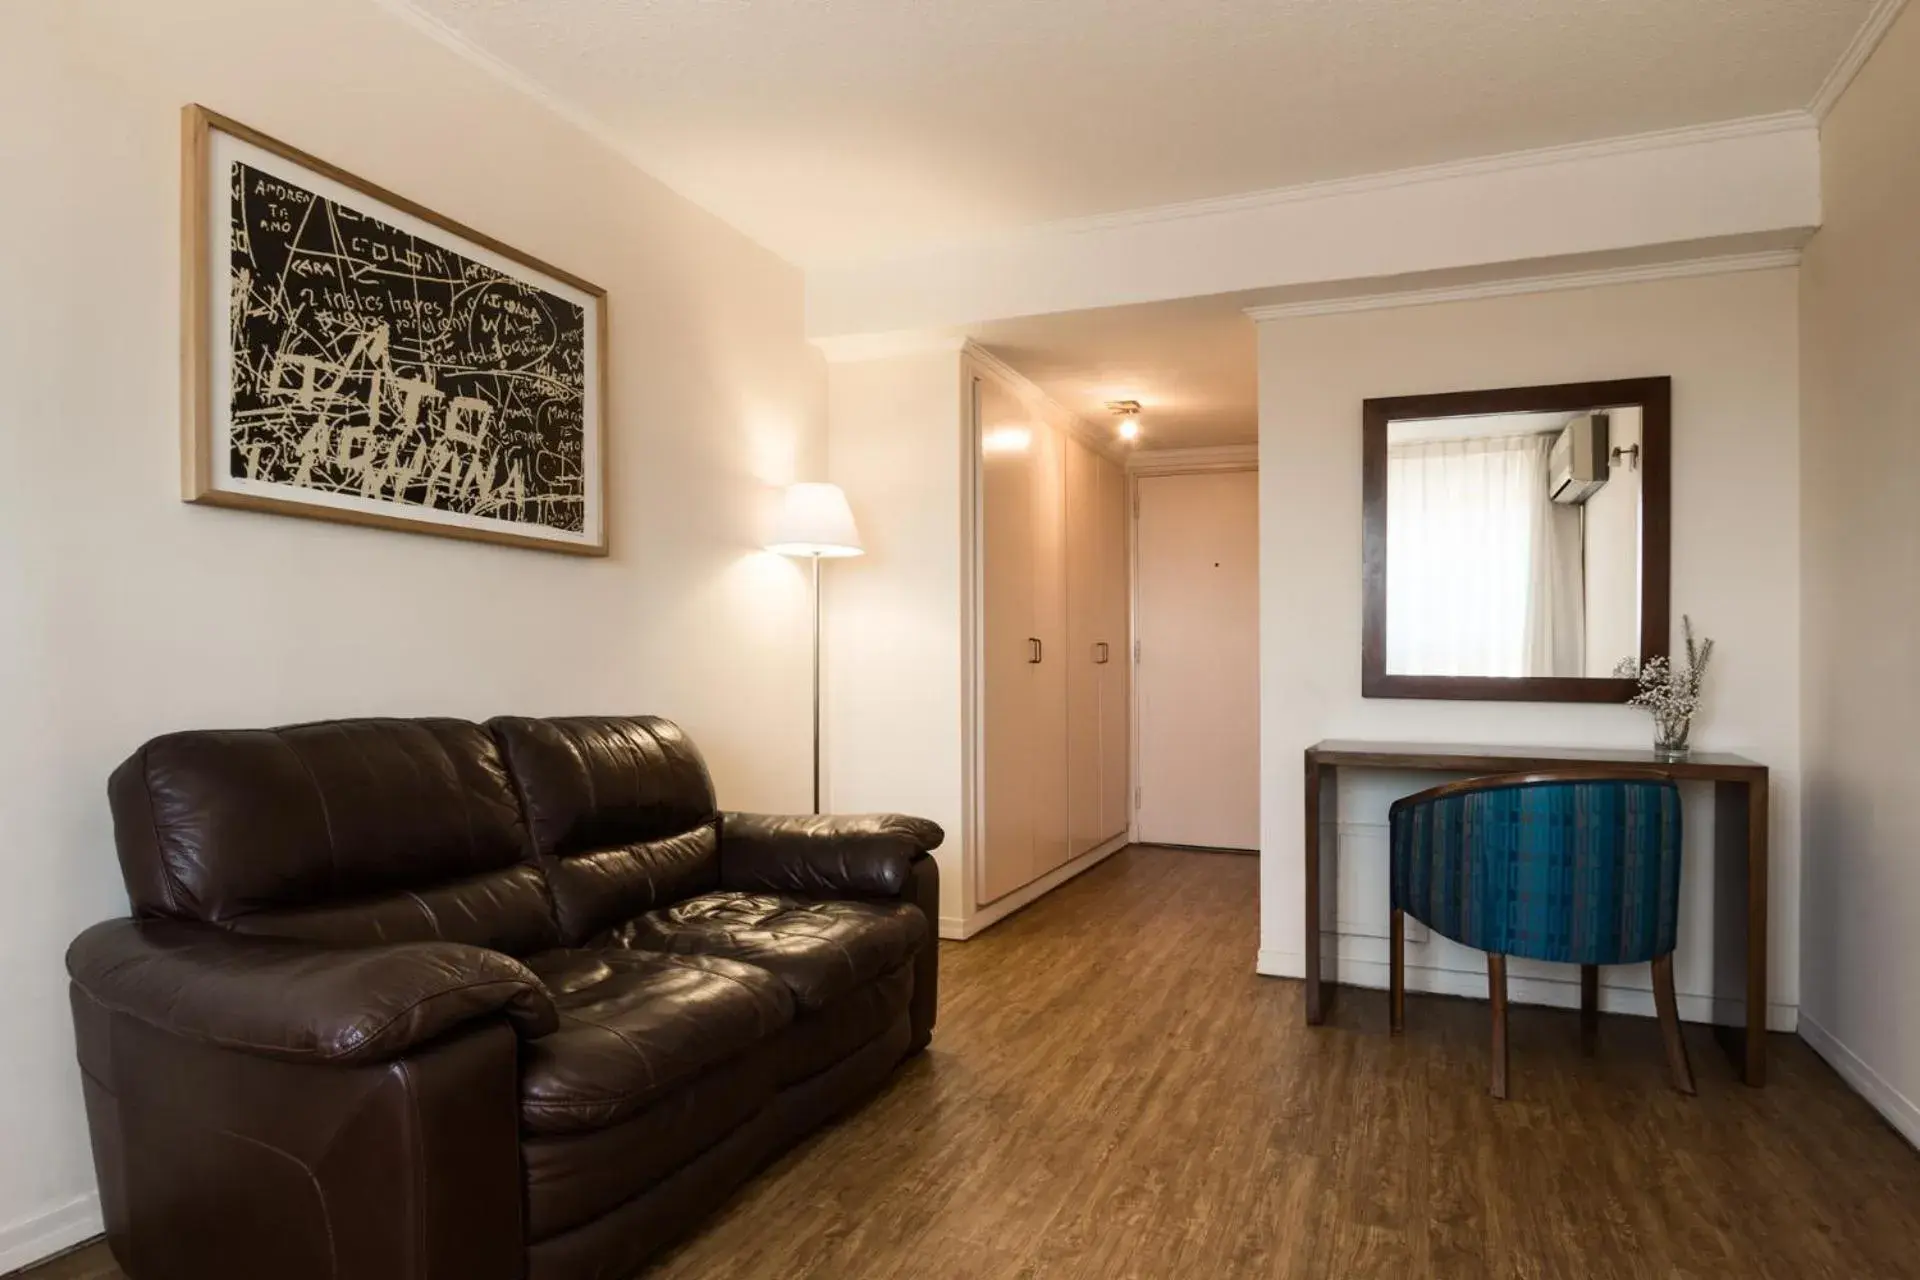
(867, 855)
(297, 1001)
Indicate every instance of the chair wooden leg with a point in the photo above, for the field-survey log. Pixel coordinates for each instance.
(1497, 995)
(1397, 966)
(1679, 1070)
(1589, 1007)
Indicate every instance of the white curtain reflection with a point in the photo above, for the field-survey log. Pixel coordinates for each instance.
(1484, 573)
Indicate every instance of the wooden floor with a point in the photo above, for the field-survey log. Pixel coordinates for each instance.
(1113, 1093)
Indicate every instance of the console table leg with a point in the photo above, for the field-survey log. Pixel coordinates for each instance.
(1323, 877)
(1740, 921)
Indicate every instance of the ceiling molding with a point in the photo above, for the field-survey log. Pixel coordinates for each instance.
(1385, 180)
(440, 33)
(1011, 376)
(1701, 186)
(1221, 457)
(1032, 391)
(1865, 41)
(585, 121)
(870, 346)
(1725, 265)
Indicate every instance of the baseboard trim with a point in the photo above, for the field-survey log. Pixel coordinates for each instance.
(58, 1229)
(1898, 1109)
(1558, 993)
(960, 928)
(1272, 963)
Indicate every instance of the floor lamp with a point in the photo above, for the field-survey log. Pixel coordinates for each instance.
(815, 524)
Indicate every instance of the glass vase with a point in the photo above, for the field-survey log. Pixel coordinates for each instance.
(1670, 737)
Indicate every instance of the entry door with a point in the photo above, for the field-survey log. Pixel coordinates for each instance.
(1198, 670)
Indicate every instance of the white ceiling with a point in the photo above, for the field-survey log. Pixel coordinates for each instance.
(1192, 365)
(844, 130)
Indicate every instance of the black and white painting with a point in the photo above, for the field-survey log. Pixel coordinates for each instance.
(372, 362)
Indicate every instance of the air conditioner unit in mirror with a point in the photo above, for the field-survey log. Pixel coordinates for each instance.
(1577, 465)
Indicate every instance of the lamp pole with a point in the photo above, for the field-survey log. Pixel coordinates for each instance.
(815, 523)
(816, 681)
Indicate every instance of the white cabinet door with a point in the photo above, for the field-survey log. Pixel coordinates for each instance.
(1007, 509)
(1198, 623)
(1048, 711)
(1116, 786)
(1086, 631)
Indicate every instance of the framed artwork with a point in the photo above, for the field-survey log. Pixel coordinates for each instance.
(349, 355)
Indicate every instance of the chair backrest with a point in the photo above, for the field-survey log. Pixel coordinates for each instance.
(622, 814)
(1581, 868)
(353, 832)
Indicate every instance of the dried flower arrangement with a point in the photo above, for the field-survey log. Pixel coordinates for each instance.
(1671, 692)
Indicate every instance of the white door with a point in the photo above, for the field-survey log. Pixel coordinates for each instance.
(1047, 674)
(1007, 508)
(1198, 624)
(1115, 664)
(1085, 635)
(1024, 656)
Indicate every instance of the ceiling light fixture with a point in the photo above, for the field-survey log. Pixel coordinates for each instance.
(1128, 411)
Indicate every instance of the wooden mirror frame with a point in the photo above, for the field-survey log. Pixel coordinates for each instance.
(1654, 397)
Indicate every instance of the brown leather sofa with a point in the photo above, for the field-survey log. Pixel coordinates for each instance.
(432, 1000)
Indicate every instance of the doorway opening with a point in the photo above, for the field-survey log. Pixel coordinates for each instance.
(1115, 596)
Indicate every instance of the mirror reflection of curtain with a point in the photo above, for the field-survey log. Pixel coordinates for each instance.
(1484, 570)
(1556, 583)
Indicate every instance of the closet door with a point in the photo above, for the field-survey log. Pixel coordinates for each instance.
(1009, 503)
(1086, 633)
(1048, 686)
(1114, 525)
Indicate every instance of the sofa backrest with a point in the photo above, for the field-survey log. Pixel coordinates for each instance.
(353, 832)
(622, 814)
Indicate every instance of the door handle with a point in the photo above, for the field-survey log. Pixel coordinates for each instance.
(1034, 651)
(1102, 658)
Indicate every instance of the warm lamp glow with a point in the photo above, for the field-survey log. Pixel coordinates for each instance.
(815, 520)
(1129, 428)
(1006, 440)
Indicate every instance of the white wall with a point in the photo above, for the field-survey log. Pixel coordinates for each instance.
(899, 619)
(1611, 524)
(1860, 459)
(898, 444)
(124, 613)
(1730, 343)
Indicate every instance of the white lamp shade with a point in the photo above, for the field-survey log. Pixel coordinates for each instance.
(815, 520)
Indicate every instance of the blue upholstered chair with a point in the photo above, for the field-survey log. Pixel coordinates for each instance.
(1575, 867)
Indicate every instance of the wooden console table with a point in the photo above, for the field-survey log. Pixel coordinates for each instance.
(1739, 861)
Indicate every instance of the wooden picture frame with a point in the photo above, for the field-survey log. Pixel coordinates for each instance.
(1654, 397)
(402, 371)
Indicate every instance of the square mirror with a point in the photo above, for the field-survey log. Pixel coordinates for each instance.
(1516, 541)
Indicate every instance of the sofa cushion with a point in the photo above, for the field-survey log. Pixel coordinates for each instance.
(573, 1178)
(350, 832)
(634, 1025)
(820, 950)
(621, 812)
(820, 1038)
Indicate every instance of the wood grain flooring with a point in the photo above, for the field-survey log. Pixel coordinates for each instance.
(1113, 1093)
